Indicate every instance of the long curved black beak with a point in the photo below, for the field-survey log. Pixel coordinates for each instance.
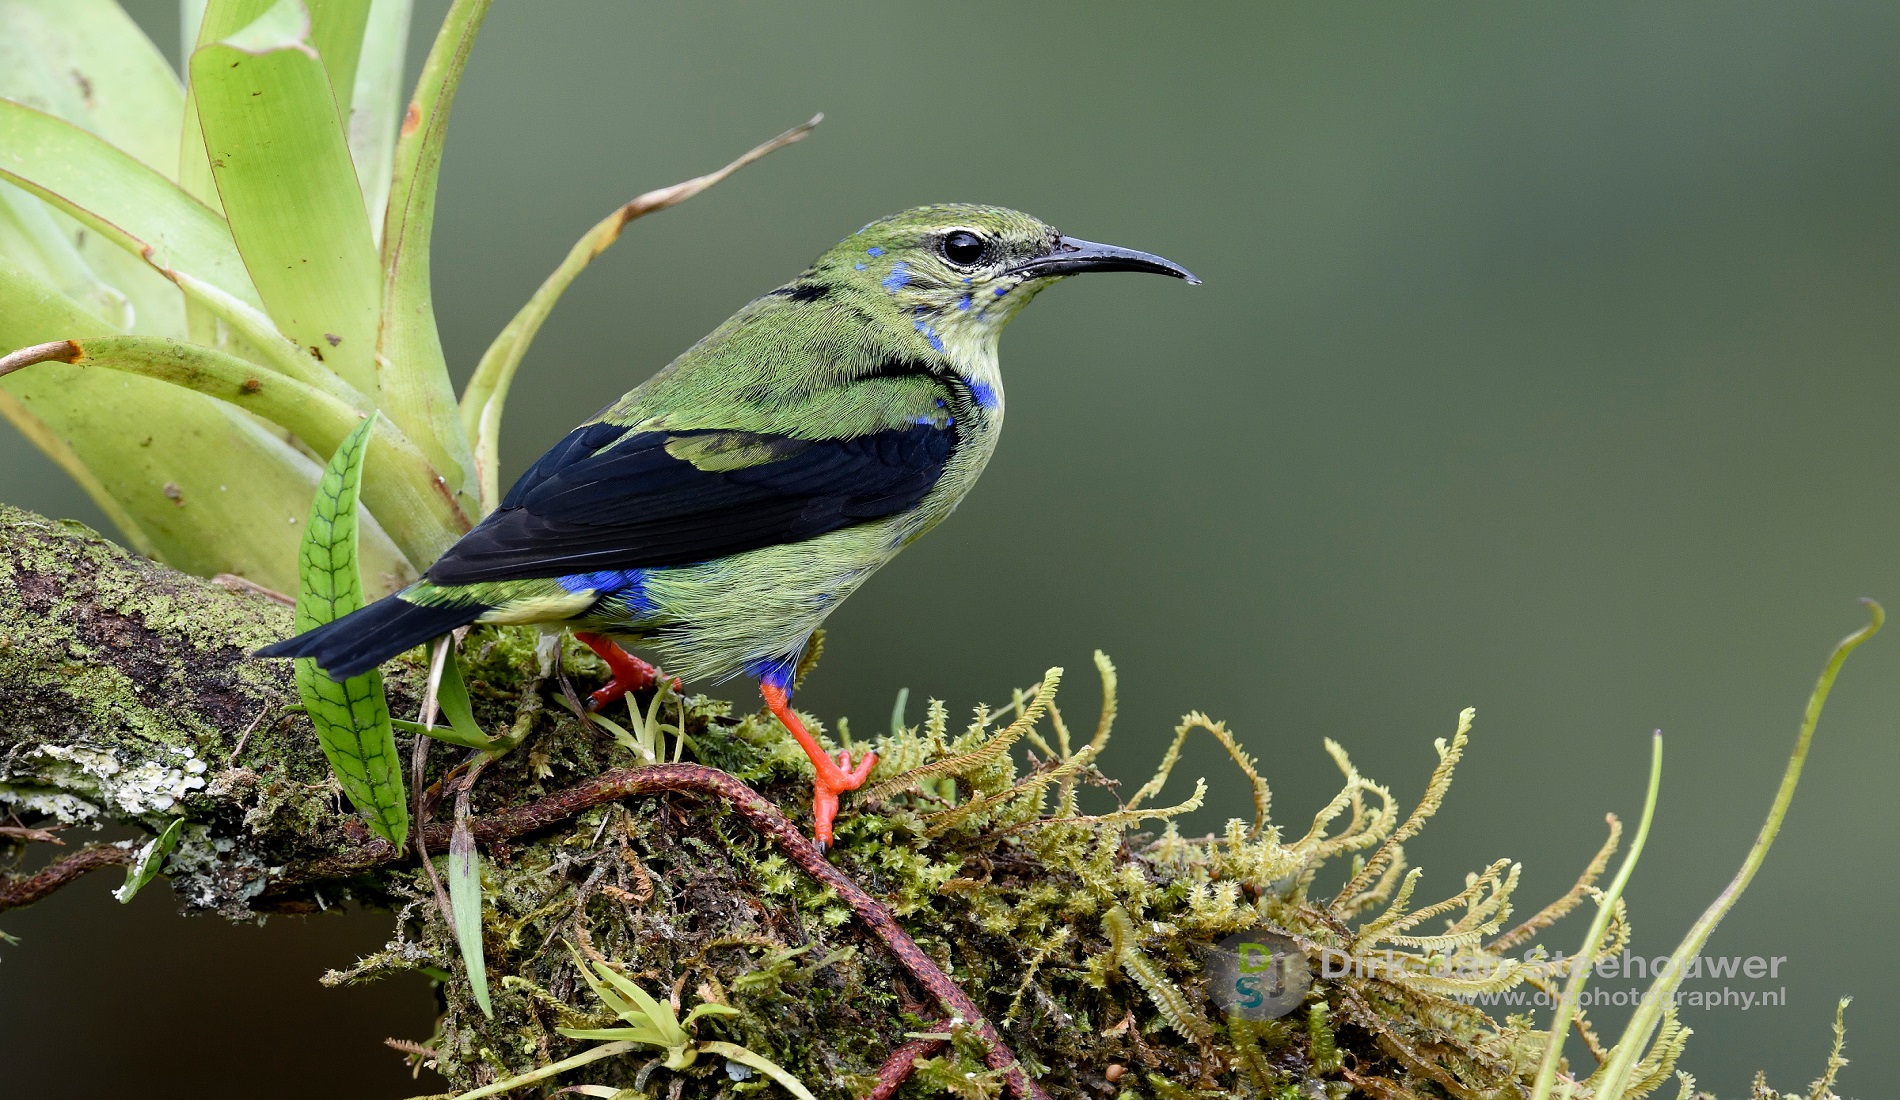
(1071, 256)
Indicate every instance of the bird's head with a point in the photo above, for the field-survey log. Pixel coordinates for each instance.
(957, 273)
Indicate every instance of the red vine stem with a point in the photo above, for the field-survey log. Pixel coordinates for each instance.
(896, 1069)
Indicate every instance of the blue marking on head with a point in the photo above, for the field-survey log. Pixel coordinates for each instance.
(940, 402)
(930, 334)
(966, 279)
(773, 671)
(1001, 290)
(898, 278)
(874, 251)
(985, 396)
(860, 267)
(963, 303)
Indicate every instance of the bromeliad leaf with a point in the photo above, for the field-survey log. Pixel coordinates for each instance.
(281, 160)
(415, 390)
(119, 197)
(351, 718)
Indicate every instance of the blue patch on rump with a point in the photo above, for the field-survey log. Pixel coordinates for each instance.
(898, 278)
(775, 671)
(860, 267)
(984, 396)
(627, 587)
(874, 251)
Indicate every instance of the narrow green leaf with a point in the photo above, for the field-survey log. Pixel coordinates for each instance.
(707, 1008)
(1644, 1021)
(189, 480)
(336, 30)
(487, 390)
(416, 392)
(465, 901)
(150, 858)
(86, 61)
(118, 197)
(376, 106)
(658, 1015)
(191, 16)
(645, 1036)
(732, 1052)
(351, 718)
(448, 735)
(420, 518)
(452, 697)
(509, 1084)
(282, 165)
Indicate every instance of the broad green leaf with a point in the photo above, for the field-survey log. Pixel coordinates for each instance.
(31, 238)
(487, 390)
(213, 22)
(465, 902)
(420, 518)
(189, 480)
(376, 106)
(263, 343)
(86, 63)
(150, 858)
(415, 392)
(351, 717)
(118, 197)
(94, 67)
(281, 161)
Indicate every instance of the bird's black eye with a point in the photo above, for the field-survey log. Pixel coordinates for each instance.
(963, 248)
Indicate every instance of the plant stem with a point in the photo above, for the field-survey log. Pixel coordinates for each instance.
(1648, 1014)
(1606, 907)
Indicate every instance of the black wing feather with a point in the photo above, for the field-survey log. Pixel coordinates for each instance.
(606, 499)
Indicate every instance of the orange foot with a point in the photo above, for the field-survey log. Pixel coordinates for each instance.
(630, 672)
(833, 778)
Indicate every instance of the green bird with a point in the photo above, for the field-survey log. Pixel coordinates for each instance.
(718, 512)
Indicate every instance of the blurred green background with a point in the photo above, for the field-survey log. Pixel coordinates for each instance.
(1545, 364)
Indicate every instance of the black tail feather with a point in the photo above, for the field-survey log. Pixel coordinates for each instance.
(368, 636)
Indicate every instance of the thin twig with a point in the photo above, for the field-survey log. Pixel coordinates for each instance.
(246, 735)
(27, 889)
(22, 832)
(234, 583)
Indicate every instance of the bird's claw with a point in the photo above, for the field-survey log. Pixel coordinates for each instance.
(630, 673)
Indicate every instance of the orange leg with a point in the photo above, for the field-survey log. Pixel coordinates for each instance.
(833, 778)
(630, 672)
